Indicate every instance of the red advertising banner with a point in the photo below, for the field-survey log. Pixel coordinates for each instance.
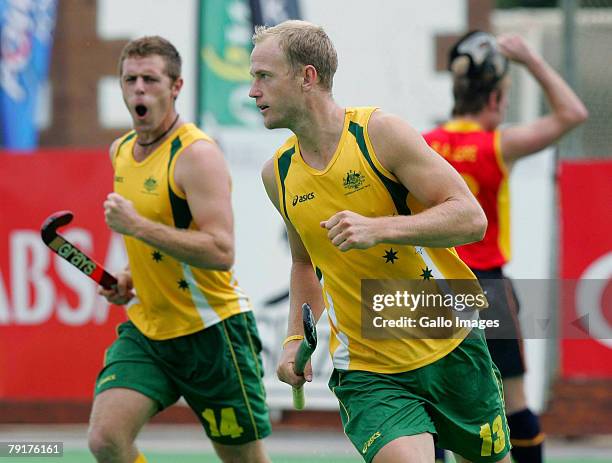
(53, 325)
(586, 256)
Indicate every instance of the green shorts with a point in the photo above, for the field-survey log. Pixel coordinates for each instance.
(458, 399)
(217, 370)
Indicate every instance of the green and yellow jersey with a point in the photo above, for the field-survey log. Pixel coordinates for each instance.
(355, 180)
(173, 298)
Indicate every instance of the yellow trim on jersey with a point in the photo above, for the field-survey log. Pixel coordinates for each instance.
(503, 201)
(289, 144)
(503, 219)
(498, 153)
(462, 126)
(373, 155)
(121, 141)
(244, 393)
(171, 178)
(189, 139)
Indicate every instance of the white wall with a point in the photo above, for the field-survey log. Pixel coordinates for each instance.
(175, 20)
(386, 50)
(386, 53)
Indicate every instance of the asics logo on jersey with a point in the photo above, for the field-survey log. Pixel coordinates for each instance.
(303, 198)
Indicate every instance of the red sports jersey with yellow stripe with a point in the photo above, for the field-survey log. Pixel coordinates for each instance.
(476, 155)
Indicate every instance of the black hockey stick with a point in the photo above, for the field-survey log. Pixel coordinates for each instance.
(68, 251)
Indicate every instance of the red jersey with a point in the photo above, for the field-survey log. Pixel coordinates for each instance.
(476, 155)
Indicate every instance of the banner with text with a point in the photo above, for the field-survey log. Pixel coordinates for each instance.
(53, 325)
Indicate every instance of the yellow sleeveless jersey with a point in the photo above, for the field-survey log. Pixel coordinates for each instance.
(173, 299)
(355, 180)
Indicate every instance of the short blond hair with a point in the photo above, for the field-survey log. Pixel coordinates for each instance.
(303, 43)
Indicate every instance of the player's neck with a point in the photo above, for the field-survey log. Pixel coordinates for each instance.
(319, 133)
(483, 119)
(148, 141)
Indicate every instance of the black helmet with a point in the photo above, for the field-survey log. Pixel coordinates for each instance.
(476, 56)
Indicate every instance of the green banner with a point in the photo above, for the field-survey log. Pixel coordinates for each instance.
(224, 50)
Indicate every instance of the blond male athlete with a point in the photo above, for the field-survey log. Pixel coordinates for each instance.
(191, 331)
(381, 205)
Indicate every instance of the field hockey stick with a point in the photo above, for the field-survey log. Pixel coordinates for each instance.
(307, 347)
(69, 252)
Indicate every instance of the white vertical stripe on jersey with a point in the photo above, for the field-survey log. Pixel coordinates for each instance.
(340, 357)
(205, 310)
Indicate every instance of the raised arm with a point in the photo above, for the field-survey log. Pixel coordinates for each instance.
(566, 109)
(202, 175)
(453, 216)
(304, 287)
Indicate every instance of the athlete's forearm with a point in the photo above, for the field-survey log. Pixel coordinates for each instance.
(304, 287)
(563, 101)
(451, 223)
(194, 247)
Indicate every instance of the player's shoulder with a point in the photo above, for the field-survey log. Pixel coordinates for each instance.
(189, 134)
(196, 151)
(267, 170)
(283, 154)
(201, 151)
(386, 122)
(388, 131)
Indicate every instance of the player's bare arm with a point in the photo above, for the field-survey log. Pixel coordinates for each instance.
(202, 175)
(304, 287)
(453, 216)
(567, 111)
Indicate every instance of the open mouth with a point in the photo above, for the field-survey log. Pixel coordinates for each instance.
(262, 107)
(141, 110)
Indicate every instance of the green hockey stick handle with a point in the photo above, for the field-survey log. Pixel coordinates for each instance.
(301, 359)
